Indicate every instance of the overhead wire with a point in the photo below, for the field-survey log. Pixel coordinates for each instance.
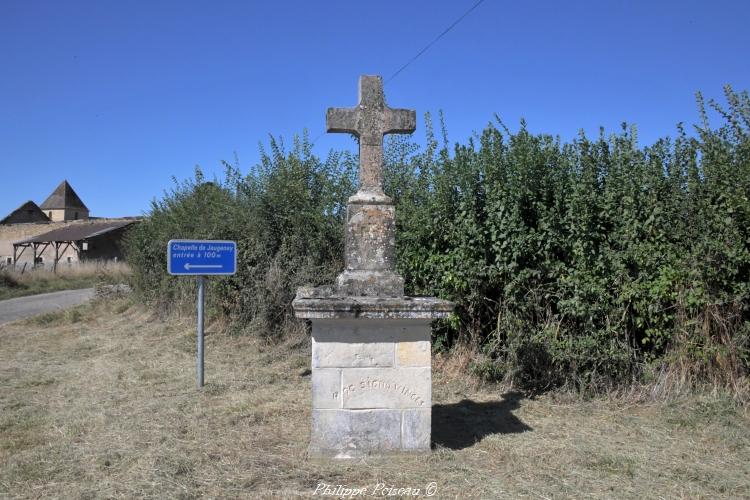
(425, 49)
(441, 35)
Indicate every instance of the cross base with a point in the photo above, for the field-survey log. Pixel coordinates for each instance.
(370, 284)
(374, 196)
(371, 376)
(370, 254)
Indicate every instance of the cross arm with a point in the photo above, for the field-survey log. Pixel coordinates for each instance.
(400, 121)
(342, 120)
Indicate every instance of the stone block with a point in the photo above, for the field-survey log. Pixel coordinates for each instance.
(421, 310)
(326, 388)
(352, 354)
(416, 428)
(370, 284)
(414, 353)
(370, 330)
(352, 433)
(386, 387)
(365, 343)
(370, 238)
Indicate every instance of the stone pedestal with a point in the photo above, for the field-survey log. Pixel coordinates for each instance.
(371, 375)
(371, 378)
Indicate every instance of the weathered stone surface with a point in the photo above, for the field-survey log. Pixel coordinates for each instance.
(352, 354)
(370, 330)
(370, 284)
(416, 429)
(370, 120)
(353, 433)
(316, 292)
(416, 353)
(370, 243)
(371, 307)
(360, 342)
(326, 388)
(386, 387)
(371, 178)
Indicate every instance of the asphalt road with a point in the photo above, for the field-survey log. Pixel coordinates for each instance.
(23, 307)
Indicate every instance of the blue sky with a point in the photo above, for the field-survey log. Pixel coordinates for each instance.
(118, 97)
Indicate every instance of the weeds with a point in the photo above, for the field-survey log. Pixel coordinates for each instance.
(107, 407)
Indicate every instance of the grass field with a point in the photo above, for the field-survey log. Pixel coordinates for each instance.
(82, 275)
(100, 402)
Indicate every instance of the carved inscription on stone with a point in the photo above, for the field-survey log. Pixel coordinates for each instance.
(354, 354)
(392, 388)
(384, 385)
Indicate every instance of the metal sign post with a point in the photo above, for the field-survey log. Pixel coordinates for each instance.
(201, 300)
(201, 258)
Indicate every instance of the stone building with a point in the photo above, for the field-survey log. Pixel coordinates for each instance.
(28, 212)
(60, 231)
(64, 204)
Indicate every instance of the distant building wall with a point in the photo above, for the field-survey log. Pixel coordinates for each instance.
(55, 215)
(108, 246)
(67, 214)
(16, 232)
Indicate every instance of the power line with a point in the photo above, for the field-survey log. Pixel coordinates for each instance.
(441, 35)
(446, 30)
(316, 139)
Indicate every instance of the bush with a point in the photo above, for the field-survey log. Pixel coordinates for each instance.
(577, 263)
(287, 217)
(8, 279)
(572, 264)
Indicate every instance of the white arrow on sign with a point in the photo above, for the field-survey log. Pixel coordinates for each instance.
(189, 266)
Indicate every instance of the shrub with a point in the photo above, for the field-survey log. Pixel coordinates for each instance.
(286, 215)
(577, 263)
(8, 279)
(571, 263)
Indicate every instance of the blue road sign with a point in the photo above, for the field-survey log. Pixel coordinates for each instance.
(201, 257)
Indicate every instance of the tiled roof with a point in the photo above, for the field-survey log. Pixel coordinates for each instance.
(63, 197)
(28, 212)
(77, 232)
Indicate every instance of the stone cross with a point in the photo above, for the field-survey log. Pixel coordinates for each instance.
(370, 120)
(371, 354)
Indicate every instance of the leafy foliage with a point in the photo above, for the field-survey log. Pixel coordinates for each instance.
(287, 215)
(571, 263)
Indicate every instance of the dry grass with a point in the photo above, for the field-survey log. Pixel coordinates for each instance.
(14, 283)
(102, 403)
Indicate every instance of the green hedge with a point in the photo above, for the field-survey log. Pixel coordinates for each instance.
(572, 263)
(287, 217)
